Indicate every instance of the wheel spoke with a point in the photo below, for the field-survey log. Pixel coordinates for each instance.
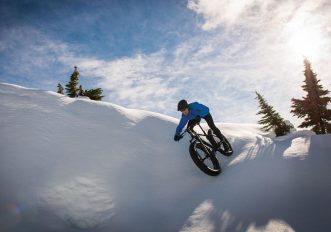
(206, 157)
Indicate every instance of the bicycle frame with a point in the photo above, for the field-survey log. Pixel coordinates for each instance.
(196, 136)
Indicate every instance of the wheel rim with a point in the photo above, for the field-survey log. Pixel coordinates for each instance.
(204, 158)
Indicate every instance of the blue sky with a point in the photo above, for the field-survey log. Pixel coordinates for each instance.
(150, 54)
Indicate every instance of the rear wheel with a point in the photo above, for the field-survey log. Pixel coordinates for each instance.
(202, 157)
(225, 147)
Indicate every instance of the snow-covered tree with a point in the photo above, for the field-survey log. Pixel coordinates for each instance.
(81, 91)
(94, 94)
(60, 89)
(271, 120)
(71, 87)
(73, 91)
(313, 107)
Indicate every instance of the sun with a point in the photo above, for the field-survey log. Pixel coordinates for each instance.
(304, 36)
(306, 42)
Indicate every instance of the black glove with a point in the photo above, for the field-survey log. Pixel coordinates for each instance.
(178, 137)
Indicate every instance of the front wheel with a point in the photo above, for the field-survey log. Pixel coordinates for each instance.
(202, 157)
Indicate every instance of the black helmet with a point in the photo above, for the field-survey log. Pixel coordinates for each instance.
(182, 105)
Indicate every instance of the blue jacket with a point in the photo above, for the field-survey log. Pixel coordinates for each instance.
(195, 109)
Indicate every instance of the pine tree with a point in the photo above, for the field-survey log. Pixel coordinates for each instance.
(271, 119)
(60, 89)
(81, 91)
(71, 87)
(313, 107)
(94, 94)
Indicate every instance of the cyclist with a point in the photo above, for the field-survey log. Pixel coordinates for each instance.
(191, 115)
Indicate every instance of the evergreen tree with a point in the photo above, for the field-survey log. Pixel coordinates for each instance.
(271, 119)
(94, 94)
(313, 107)
(71, 87)
(60, 89)
(81, 91)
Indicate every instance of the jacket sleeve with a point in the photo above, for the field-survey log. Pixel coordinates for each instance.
(182, 123)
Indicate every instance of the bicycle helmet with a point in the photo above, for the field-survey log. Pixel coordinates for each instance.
(182, 105)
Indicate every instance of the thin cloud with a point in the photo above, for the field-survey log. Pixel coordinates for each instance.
(248, 13)
(32, 57)
(139, 81)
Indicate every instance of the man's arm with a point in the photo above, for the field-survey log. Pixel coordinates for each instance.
(181, 125)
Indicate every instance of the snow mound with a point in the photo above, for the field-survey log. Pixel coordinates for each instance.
(82, 202)
(75, 164)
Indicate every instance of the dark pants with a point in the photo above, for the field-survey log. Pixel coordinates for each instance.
(210, 122)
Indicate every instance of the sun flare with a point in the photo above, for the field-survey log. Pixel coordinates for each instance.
(306, 42)
(305, 35)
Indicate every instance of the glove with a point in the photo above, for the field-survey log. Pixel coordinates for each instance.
(178, 137)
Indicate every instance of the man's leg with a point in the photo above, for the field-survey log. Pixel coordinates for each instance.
(211, 124)
(217, 132)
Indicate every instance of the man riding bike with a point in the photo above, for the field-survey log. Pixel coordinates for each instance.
(191, 115)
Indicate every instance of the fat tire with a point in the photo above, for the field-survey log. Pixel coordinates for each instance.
(211, 137)
(215, 170)
(223, 151)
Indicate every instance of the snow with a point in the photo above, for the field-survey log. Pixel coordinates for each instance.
(80, 165)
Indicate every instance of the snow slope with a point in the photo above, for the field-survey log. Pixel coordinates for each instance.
(75, 164)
